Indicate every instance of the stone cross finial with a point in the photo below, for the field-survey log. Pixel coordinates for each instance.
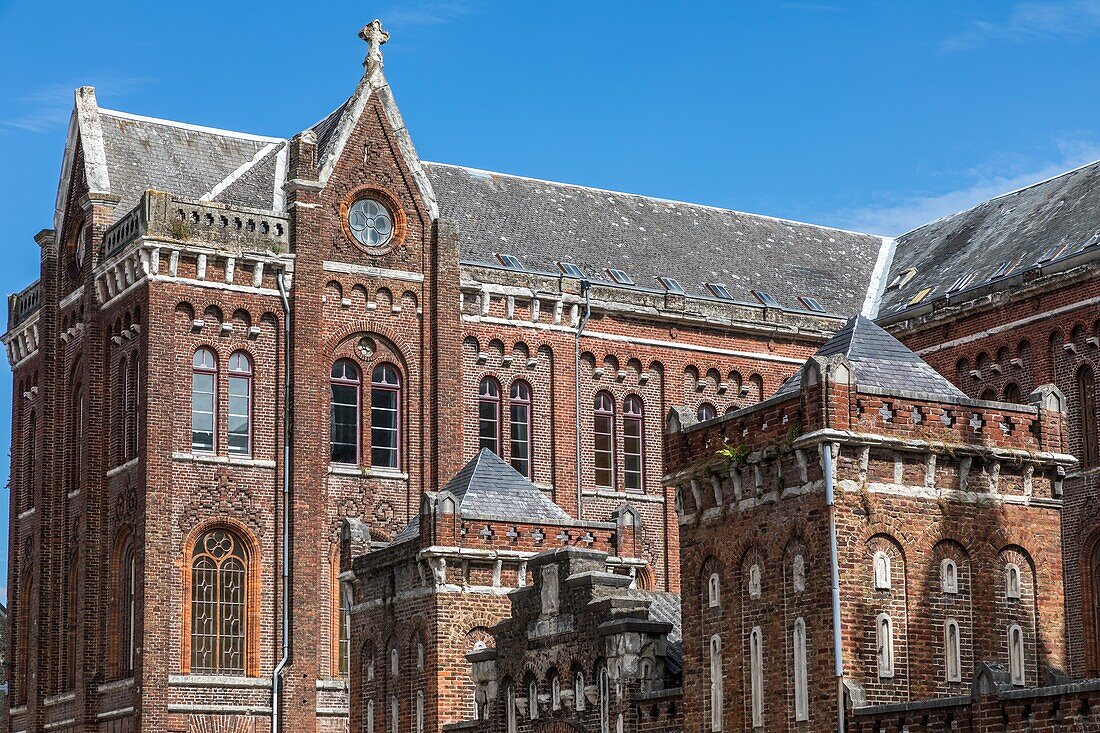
(375, 36)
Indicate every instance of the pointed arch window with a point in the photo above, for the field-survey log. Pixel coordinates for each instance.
(532, 700)
(801, 672)
(578, 691)
(219, 604)
(419, 711)
(344, 386)
(488, 415)
(884, 639)
(755, 584)
(604, 435)
(882, 571)
(385, 416)
(716, 682)
(633, 443)
(31, 474)
(555, 691)
(395, 714)
(127, 580)
(204, 391)
(343, 652)
(370, 716)
(519, 427)
(132, 392)
(240, 404)
(605, 701)
(1086, 398)
(510, 710)
(949, 576)
(1012, 581)
(714, 591)
(756, 674)
(1016, 655)
(952, 651)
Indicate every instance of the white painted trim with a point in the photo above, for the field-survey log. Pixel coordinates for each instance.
(71, 298)
(116, 713)
(116, 685)
(633, 340)
(188, 126)
(218, 680)
(1009, 326)
(626, 496)
(878, 278)
(183, 457)
(59, 724)
(222, 709)
(278, 196)
(232, 177)
(347, 268)
(272, 292)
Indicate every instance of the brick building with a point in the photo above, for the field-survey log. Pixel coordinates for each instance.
(238, 341)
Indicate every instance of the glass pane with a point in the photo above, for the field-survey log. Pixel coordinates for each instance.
(488, 431)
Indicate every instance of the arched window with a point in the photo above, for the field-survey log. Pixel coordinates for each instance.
(488, 415)
(714, 591)
(344, 412)
(419, 711)
(1012, 392)
(393, 662)
(555, 691)
(519, 427)
(633, 444)
(510, 710)
(127, 578)
(420, 656)
(532, 700)
(132, 392)
(370, 716)
(716, 682)
(80, 422)
(1012, 581)
(706, 412)
(385, 416)
(343, 652)
(603, 430)
(798, 573)
(395, 714)
(204, 391)
(949, 576)
(605, 701)
(1086, 398)
(882, 571)
(219, 604)
(754, 581)
(756, 673)
(1016, 655)
(578, 691)
(952, 651)
(801, 672)
(240, 404)
(884, 639)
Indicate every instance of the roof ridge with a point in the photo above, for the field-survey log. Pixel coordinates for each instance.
(188, 126)
(652, 198)
(999, 196)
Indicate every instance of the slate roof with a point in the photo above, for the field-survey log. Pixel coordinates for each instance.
(881, 361)
(184, 160)
(1017, 228)
(666, 607)
(489, 488)
(541, 223)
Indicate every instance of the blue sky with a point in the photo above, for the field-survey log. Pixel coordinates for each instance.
(874, 116)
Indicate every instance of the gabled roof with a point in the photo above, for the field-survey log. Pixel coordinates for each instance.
(542, 223)
(1059, 216)
(880, 361)
(489, 488)
(188, 161)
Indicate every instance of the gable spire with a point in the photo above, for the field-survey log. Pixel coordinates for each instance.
(375, 36)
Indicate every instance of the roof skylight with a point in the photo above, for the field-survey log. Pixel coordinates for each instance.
(571, 270)
(719, 291)
(812, 303)
(671, 285)
(766, 298)
(510, 262)
(620, 277)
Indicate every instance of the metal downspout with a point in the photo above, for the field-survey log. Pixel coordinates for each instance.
(276, 675)
(838, 658)
(582, 321)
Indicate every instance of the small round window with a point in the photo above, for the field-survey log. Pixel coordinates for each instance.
(370, 222)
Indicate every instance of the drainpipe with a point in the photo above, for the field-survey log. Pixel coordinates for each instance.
(838, 659)
(288, 431)
(581, 323)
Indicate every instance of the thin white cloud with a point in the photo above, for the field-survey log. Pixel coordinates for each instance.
(985, 182)
(1031, 21)
(49, 107)
(427, 13)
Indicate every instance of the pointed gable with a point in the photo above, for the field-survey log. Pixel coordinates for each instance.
(882, 362)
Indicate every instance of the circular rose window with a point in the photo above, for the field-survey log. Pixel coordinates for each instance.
(370, 222)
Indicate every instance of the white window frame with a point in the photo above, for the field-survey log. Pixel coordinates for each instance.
(884, 645)
(949, 576)
(882, 570)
